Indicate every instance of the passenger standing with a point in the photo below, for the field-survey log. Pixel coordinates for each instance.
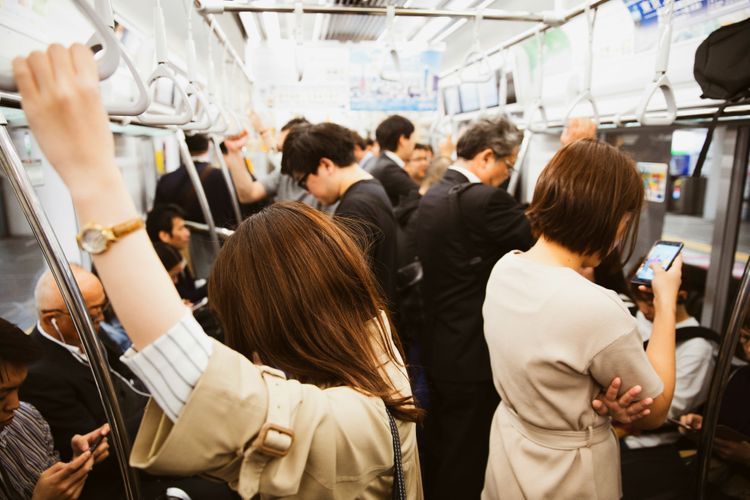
(292, 289)
(176, 187)
(464, 224)
(395, 136)
(555, 339)
(417, 164)
(321, 159)
(276, 186)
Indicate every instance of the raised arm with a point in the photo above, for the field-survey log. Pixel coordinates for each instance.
(60, 96)
(248, 189)
(661, 346)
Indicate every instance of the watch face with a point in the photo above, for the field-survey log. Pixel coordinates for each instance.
(93, 240)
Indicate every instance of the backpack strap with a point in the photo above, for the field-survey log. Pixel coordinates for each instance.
(709, 137)
(399, 484)
(697, 332)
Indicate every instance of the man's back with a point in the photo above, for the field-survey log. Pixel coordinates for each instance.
(367, 201)
(459, 239)
(395, 180)
(175, 187)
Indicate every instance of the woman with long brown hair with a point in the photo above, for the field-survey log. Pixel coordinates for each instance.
(327, 410)
(556, 339)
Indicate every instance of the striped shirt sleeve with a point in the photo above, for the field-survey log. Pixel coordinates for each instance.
(172, 365)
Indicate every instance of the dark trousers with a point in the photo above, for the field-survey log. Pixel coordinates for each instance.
(457, 431)
(655, 473)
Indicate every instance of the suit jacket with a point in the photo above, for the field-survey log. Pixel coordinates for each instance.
(458, 246)
(63, 390)
(394, 179)
(175, 187)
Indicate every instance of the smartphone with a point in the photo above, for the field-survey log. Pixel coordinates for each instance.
(680, 424)
(96, 443)
(663, 252)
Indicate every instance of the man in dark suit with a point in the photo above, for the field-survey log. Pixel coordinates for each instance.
(395, 136)
(175, 187)
(61, 386)
(464, 224)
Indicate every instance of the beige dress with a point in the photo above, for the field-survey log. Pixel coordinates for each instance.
(555, 339)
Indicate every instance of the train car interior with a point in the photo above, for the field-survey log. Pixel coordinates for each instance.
(189, 86)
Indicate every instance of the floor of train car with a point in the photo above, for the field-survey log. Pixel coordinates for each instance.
(21, 262)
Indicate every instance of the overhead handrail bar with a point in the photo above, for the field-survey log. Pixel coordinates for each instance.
(165, 70)
(106, 62)
(227, 179)
(391, 47)
(222, 232)
(536, 106)
(491, 14)
(200, 193)
(476, 56)
(549, 20)
(660, 80)
(53, 253)
(586, 96)
(142, 102)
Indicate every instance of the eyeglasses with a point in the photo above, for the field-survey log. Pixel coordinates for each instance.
(302, 181)
(511, 166)
(95, 311)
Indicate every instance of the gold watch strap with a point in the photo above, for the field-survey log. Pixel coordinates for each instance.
(127, 227)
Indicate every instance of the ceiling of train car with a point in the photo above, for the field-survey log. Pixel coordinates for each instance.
(458, 33)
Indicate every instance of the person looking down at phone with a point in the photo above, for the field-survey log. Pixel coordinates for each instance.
(555, 339)
(30, 466)
(343, 428)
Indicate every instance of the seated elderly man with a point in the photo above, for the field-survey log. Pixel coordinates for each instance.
(61, 386)
(29, 465)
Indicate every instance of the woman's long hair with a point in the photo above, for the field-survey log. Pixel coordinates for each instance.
(293, 286)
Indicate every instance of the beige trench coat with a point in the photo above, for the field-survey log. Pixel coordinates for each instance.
(342, 447)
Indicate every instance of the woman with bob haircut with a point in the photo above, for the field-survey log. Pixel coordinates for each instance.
(330, 415)
(556, 339)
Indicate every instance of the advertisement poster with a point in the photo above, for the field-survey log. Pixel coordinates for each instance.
(654, 177)
(382, 81)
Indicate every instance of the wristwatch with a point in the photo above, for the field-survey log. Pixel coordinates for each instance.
(96, 239)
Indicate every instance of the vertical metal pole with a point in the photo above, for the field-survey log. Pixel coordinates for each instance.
(227, 179)
(727, 222)
(719, 380)
(523, 152)
(199, 192)
(53, 254)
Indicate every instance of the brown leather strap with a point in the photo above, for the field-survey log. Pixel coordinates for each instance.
(127, 227)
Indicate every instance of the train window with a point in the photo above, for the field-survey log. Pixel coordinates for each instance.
(469, 94)
(511, 95)
(452, 101)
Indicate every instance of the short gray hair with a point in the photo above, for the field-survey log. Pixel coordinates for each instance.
(499, 134)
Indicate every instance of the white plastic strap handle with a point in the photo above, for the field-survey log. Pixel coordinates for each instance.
(660, 81)
(163, 70)
(476, 56)
(586, 96)
(108, 57)
(299, 62)
(142, 102)
(503, 83)
(536, 107)
(390, 12)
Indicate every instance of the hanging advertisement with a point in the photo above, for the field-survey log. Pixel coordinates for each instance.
(385, 80)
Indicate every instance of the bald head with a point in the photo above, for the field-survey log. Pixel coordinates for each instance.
(51, 308)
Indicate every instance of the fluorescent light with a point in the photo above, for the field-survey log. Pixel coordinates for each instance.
(431, 29)
(448, 31)
(271, 25)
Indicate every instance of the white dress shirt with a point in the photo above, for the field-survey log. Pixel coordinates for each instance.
(397, 159)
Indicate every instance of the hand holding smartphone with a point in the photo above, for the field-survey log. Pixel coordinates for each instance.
(663, 253)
